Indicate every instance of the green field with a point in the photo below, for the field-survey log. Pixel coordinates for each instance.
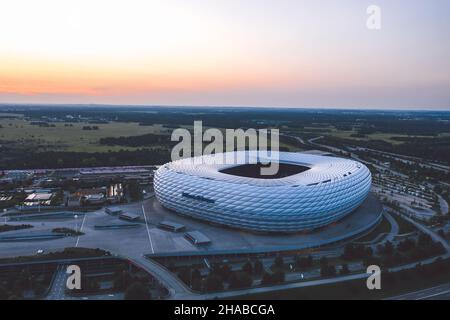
(71, 138)
(330, 130)
(403, 225)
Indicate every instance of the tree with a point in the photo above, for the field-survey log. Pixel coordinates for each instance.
(185, 275)
(3, 293)
(122, 279)
(303, 262)
(196, 274)
(388, 248)
(424, 239)
(344, 270)
(240, 279)
(196, 280)
(213, 283)
(323, 261)
(258, 266)
(92, 285)
(266, 278)
(327, 271)
(247, 267)
(223, 271)
(278, 262)
(278, 276)
(134, 191)
(368, 252)
(137, 291)
(196, 284)
(310, 261)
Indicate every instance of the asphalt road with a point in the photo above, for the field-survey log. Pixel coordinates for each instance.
(441, 292)
(430, 232)
(394, 227)
(57, 290)
(443, 204)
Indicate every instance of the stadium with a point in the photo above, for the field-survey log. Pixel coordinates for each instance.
(307, 192)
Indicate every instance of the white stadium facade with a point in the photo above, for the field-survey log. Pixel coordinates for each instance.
(308, 191)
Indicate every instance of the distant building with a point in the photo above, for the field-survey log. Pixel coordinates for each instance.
(38, 199)
(74, 201)
(88, 192)
(17, 175)
(94, 199)
(6, 200)
(116, 172)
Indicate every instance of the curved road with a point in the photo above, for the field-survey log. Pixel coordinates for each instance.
(180, 291)
(394, 227)
(430, 232)
(438, 292)
(443, 204)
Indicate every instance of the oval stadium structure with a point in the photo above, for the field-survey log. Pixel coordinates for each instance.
(308, 191)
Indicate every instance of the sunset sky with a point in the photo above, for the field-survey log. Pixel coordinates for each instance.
(289, 53)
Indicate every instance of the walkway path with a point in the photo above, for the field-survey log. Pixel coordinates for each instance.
(57, 290)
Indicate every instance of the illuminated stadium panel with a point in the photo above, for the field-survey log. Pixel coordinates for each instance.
(324, 190)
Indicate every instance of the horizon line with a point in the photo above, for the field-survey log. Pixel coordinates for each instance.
(37, 104)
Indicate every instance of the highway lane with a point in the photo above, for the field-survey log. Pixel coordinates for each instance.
(434, 293)
(177, 288)
(443, 204)
(430, 232)
(58, 286)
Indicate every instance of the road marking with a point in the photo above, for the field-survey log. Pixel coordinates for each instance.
(434, 295)
(79, 230)
(148, 231)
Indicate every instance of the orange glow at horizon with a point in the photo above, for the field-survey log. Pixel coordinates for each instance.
(104, 48)
(29, 78)
(284, 52)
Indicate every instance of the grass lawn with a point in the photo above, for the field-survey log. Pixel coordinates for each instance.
(72, 138)
(403, 225)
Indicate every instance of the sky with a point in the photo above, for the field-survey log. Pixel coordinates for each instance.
(272, 53)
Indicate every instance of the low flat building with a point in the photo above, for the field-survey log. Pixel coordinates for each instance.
(197, 238)
(37, 198)
(129, 216)
(18, 175)
(113, 211)
(74, 201)
(95, 198)
(171, 226)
